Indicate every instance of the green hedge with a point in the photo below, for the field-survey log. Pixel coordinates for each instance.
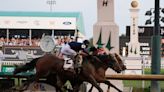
(148, 71)
(137, 84)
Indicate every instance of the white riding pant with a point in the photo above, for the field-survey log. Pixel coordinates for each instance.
(66, 52)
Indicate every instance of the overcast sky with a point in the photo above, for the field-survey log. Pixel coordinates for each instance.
(87, 7)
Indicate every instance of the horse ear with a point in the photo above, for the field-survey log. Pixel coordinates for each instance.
(115, 54)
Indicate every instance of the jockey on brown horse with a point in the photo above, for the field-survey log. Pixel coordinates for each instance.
(92, 69)
(70, 50)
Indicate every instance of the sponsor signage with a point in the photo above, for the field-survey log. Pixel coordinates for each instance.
(67, 23)
(11, 50)
(145, 30)
(145, 49)
(7, 69)
(38, 22)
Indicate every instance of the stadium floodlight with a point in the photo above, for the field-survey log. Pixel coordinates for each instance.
(148, 21)
(162, 10)
(151, 14)
(148, 13)
(51, 3)
(162, 19)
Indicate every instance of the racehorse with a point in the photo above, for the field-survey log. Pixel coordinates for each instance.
(101, 73)
(112, 60)
(93, 69)
(52, 64)
(102, 79)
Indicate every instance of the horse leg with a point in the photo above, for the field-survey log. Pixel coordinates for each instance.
(90, 90)
(92, 80)
(59, 84)
(76, 88)
(26, 84)
(36, 78)
(53, 80)
(110, 84)
(77, 85)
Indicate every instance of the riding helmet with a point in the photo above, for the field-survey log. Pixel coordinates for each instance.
(86, 42)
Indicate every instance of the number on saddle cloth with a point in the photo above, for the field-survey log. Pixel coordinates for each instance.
(68, 63)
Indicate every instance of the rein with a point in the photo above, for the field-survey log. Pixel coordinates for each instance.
(99, 60)
(104, 61)
(94, 60)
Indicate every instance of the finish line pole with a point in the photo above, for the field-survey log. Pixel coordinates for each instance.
(156, 50)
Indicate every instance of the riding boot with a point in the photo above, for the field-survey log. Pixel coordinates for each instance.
(78, 64)
(77, 67)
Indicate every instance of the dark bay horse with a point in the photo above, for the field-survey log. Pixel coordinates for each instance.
(102, 79)
(99, 68)
(101, 74)
(52, 64)
(93, 70)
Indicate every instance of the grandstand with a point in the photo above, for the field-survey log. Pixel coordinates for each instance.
(23, 30)
(32, 25)
(20, 34)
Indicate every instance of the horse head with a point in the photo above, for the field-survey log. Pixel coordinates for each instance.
(120, 61)
(115, 62)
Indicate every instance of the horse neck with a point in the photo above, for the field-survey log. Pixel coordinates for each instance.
(104, 60)
(95, 62)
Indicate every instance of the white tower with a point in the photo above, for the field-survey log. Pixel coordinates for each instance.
(134, 46)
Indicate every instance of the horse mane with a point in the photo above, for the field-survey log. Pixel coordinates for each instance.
(94, 60)
(104, 58)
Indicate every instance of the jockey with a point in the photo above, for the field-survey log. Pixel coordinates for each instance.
(93, 50)
(71, 49)
(101, 49)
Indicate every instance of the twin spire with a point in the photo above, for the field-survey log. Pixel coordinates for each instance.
(100, 44)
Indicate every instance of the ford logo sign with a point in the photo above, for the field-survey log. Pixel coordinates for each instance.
(67, 23)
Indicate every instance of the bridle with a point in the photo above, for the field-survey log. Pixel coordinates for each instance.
(119, 66)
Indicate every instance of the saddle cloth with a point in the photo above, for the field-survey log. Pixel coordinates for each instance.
(68, 64)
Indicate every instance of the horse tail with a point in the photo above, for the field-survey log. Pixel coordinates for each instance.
(28, 66)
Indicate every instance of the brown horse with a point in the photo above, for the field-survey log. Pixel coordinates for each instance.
(102, 79)
(112, 60)
(101, 72)
(93, 70)
(52, 64)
